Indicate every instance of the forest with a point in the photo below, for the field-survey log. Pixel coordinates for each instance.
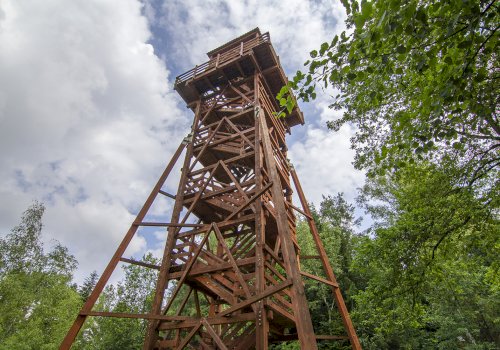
(419, 82)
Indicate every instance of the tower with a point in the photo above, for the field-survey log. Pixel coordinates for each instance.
(230, 275)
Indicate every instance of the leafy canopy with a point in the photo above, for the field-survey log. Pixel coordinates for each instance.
(431, 264)
(418, 79)
(37, 300)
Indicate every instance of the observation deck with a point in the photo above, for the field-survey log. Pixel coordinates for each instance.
(240, 58)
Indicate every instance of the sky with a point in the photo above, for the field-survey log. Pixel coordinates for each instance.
(89, 117)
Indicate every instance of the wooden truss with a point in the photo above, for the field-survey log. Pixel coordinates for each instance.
(230, 275)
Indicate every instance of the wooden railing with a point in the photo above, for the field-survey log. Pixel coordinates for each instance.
(222, 58)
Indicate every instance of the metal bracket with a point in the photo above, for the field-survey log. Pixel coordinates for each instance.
(289, 163)
(188, 139)
(257, 111)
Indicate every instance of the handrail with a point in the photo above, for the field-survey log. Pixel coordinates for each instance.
(223, 58)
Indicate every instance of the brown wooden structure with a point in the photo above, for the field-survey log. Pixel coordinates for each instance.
(230, 277)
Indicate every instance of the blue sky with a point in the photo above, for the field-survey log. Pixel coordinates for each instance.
(88, 116)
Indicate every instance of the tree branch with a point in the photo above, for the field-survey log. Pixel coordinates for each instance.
(447, 232)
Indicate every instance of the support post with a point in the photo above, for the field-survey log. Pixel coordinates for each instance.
(101, 283)
(151, 335)
(339, 300)
(300, 308)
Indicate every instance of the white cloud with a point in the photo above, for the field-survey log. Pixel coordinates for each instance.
(323, 164)
(296, 26)
(86, 111)
(88, 118)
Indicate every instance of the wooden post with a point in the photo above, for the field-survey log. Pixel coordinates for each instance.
(101, 283)
(339, 300)
(301, 310)
(261, 323)
(171, 238)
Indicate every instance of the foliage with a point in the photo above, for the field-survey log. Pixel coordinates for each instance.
(37, 301)
(429, 264)
(133, 294)
(336, 222)
(425, 276)
(88, 285)
(418, 79)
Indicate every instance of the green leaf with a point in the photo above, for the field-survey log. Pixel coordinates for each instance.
(464, 44)
(366, 9)
(334, 41)
(323, 48)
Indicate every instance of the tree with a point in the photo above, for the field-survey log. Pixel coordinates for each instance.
(431, 264)
(37, 300)
(418, 80)
(88, 285)
(22, 250)
(335, 221)
(133, 294)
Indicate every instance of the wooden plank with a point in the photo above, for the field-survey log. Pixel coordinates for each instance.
(339, 300)
(319, 279)
(245, 317)
(215, 288)
(255, 298)
(214, 335)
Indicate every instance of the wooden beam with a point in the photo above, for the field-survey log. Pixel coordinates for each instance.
(215, 320)
(140, 263)
(339, 300)
(151, 334)
(255, 298)
(301, 309)
(103, 280)
(188, 337)
(319, 279)
(214, 335)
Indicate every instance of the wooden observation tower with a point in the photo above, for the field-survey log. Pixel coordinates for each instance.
(230, 277)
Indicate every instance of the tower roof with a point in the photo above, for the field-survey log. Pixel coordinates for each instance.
(241, 58)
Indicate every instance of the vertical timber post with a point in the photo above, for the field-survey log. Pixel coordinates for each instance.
(262, 324)
(166, 260)
(301, 310)
(339, 300)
